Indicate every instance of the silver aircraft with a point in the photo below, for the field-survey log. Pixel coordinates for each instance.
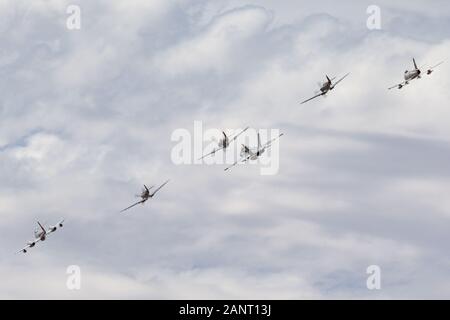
(326, 87)
(224, 143)
(145, 195)
(253, 154)
(416, 73)
(41, 234)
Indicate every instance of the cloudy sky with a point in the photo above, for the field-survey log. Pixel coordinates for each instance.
(86, 117)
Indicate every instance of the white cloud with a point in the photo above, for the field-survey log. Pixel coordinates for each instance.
(215, 47)
(86, 119)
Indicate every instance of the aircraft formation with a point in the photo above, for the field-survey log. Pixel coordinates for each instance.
(409, 75)
(246, 153)
(253, 154)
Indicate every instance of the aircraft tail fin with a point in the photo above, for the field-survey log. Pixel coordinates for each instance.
(42, 228)
(328, 78)
(415, 64)
(259, 142)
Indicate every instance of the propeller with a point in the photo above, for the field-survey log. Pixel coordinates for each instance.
(430, 70)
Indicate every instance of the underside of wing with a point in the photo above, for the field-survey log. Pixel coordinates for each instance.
(133, 205)
(398, 86)
(336, 83)
(228, 168)
(234, 164)
(316, 96)
(435, 66)
(160, 187)
(236, 136)
(211, 153)
(24, 249)
(29, 245)
(268, 144)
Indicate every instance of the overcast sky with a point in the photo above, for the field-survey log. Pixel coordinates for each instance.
(86, 117)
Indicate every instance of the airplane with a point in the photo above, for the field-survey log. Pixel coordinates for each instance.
(145, 195)
(325, 87)
(41, 235)
(410, 75)
(224, 143)
(249, 154)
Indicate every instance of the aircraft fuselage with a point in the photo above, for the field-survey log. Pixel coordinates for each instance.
(411, 75)
(326, 87)
(224, 143)
(257, 154)
(254, 155)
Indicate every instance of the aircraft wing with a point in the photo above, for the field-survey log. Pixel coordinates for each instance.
(434, 67)
(60, 223)
(212, 152)
(56, 226)
(160, 187)
(28, 246)
(396, 86)
(234, 164)
(316, 96)
(402, 84)
(336, 83)
(133, 205)
(236, 136)
(268, 144)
